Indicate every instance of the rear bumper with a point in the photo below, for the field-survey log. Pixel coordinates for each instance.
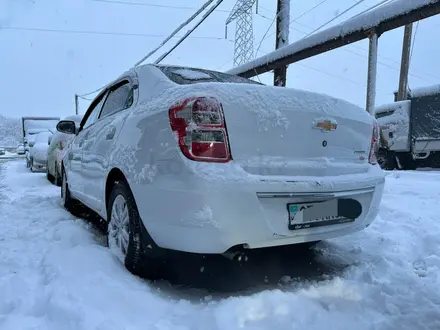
(215, 218)
(38, 164)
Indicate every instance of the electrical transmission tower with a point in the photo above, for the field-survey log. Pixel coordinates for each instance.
(244, 31)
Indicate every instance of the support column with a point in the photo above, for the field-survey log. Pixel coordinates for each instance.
(282, 38)
(404, 65)
(372, 73)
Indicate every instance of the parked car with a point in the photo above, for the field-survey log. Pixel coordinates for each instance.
(38, 151)
(205, 162)
(20, 149)
(29, 141)
(2, 151)
(56, 149)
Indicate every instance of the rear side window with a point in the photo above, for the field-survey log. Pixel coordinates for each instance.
(186, 76)
(119, 98)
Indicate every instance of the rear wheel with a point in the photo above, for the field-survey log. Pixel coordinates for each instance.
(49, 176)
(127, 237)
(68, 201)
(57, 178)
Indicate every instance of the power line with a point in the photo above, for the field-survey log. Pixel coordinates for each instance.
(356, 46)
(204, 17)
(298, 17)
(189, 20)
(151, 5)
(336, 17)
(145, 35)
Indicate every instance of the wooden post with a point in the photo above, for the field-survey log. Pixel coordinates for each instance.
(402, 93)
(76, 104)
(282, 38)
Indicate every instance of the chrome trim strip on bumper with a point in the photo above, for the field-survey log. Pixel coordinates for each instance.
(315, 194)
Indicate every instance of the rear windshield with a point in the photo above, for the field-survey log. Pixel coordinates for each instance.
(186, 76)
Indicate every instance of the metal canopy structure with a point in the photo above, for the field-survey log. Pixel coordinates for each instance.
(375, 22)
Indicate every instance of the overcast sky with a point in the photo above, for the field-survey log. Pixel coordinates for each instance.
(52, 49)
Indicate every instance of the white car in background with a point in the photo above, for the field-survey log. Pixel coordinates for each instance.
(206, 162)
(38, 151)
(56, 149)
(20, 149)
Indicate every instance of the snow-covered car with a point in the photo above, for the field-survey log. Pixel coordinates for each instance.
(2, 151)
(206, 162)
(29, 140)
(20, 149)
(38, 151)
(56, 149)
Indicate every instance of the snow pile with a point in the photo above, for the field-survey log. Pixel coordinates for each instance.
(425, 91)
(202, 218)
(10, 132)
(55, 273)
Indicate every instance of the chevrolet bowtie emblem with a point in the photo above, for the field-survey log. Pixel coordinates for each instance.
(326, 125)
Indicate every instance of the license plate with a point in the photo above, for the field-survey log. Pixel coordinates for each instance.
(315, 214)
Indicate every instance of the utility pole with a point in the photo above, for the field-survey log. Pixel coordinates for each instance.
(282, 38)
(76, 104)
(402, 93)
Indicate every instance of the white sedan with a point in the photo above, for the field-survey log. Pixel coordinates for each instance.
(206, 162)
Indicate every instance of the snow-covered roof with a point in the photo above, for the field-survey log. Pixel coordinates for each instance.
(361, 22)
(426, 90)
(392, 106)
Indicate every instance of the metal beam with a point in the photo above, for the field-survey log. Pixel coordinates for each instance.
(385, 18)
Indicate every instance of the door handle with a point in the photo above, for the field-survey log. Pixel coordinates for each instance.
(110, 132)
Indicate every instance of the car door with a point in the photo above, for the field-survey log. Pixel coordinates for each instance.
(80, 141)
(118, 102)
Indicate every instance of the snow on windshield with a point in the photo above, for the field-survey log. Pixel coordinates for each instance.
(191, 74)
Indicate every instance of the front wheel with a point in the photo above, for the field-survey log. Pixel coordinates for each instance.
(125, 232)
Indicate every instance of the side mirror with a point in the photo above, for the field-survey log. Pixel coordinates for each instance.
(66, 126)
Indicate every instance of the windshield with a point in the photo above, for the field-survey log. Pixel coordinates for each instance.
(185, 76)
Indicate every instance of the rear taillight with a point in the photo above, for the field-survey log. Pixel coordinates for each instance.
(375, 143)
(200, 127)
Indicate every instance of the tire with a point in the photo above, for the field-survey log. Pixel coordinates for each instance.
(126, 235)
(68, 201)
(57, 178)
(49, 177)
(407, 162)
(386, 160)
(32, 166)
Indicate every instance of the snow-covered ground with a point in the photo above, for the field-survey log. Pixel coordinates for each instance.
(56, 273)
